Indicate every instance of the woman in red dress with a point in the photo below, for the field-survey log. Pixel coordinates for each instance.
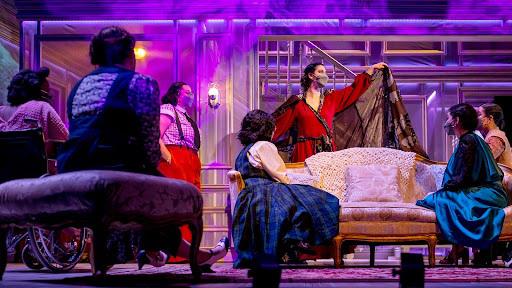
(312, 113)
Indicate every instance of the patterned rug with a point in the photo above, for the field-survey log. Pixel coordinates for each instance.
(226, 274)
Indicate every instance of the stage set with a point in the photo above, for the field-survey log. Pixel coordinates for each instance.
(242, 55)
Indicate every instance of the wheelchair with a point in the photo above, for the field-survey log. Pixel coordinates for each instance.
(25, 154)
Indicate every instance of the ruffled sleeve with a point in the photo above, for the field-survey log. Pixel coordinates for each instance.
(264, 155)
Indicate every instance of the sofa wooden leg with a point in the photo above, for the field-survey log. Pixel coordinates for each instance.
(3, 251)
(196, 229)
(372, 255)
(431, 242)
(338, 252)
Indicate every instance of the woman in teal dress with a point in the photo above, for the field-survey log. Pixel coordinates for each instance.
(469, 206)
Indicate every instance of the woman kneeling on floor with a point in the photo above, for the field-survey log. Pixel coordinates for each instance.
(273, 219)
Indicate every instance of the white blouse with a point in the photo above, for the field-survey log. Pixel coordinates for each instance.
(264, 155)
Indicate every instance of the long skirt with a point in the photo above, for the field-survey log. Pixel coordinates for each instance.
(185, 165)
(269, 213)
(471, 217)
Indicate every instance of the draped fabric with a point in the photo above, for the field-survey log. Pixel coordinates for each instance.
(469, 207)
(377, 119)
(369, 114)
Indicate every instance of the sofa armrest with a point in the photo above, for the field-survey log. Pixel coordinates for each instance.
(236, 184)
(297, 168)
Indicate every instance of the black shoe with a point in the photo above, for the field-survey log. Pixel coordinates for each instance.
(158, 261)
(142, 259)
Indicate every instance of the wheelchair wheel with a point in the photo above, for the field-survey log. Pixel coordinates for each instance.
(30, 260)
(55, 252)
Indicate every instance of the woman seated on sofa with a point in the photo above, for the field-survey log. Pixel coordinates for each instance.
(275, 220)
(469, 205)
(492, 121)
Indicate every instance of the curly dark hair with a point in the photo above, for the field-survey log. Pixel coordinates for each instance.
(496, 112)
(467, 115)
(171, 96)
(305, 81)
(257, 125)
(26, 85)
(112, 45)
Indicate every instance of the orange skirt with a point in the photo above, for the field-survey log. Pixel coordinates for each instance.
(185, 165)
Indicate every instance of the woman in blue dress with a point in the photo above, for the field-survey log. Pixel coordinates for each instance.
(273, 219)
(469, 206)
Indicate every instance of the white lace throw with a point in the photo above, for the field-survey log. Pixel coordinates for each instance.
(332, 166)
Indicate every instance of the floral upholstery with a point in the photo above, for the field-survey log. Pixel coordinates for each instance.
(103, 201)
(388, 211)
(381, 228)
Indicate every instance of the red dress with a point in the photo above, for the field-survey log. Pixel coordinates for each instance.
(314, 128)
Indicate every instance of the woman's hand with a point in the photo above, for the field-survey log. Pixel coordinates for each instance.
(380, 65)
(165, 154)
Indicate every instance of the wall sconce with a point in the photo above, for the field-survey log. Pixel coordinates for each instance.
(213, 96)
(140, 53)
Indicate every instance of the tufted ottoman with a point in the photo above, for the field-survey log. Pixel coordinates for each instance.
(101, 200)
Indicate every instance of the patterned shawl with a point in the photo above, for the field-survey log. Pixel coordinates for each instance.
(377, 119)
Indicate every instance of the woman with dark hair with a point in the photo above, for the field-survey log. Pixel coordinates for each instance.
(114, 125)
(492, 122)
(469, 207)
(273, 219)
(28, 98)
(179, 142)
(312, 112)
(179, 136)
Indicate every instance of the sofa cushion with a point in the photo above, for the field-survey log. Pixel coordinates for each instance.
(305, 179)
(389, 211)
(425, 180)
(377, 183)
(407, 230)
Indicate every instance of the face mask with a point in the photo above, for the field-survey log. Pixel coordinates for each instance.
(187, 100)
(448, 128)
(322, 80)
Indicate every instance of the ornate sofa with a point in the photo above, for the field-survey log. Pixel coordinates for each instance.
(389, 222)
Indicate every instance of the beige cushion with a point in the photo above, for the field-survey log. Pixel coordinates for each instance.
(377, 183)
(390, 211)
(387, 229)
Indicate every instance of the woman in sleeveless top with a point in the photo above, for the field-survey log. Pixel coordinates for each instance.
(492, 122)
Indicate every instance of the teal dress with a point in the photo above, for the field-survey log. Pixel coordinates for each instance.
(469, 207)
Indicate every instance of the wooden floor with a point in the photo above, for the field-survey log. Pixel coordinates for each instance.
(19, 276)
